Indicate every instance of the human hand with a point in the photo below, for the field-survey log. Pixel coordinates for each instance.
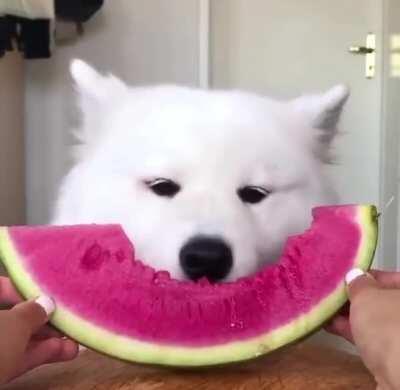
(25, 341)
(372, 323)
(340, 324)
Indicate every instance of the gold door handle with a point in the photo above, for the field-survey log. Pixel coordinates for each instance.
(369, 50)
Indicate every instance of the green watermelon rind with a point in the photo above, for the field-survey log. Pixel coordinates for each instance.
(129, 349)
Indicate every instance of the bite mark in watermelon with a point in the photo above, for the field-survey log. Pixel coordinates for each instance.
(113, 303)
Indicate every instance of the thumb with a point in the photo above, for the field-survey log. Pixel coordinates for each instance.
(34, 314)
(357, 281)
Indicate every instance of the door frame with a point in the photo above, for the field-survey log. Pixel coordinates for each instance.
(389, 150)
(204, 11)
(389, 183)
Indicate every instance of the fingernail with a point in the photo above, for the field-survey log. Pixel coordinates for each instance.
(46, 303)
(82, 348)
(353, 274)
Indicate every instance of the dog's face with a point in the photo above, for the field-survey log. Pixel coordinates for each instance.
(204, 183)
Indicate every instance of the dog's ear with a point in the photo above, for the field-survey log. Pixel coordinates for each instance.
(95, 92)
(93, 85)
(322, 113)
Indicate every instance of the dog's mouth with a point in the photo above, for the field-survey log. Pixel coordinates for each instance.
(212, 274)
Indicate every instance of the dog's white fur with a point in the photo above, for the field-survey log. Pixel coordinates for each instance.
(210, 142)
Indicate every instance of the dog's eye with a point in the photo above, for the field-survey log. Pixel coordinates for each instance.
(164, 187)
(252, 194)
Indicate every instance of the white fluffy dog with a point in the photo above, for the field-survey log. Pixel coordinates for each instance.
(205, 183)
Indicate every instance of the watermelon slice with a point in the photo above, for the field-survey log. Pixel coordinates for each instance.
(113, 303)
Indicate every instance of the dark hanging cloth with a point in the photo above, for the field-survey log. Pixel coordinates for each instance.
(32, 36)
(7, 31)
(78, 11)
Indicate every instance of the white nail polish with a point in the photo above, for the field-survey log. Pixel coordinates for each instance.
(353, 274)
(46, 303)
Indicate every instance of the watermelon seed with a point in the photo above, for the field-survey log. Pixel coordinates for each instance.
(189, 311)
(120, 256)
(106, 255)
(92, 259)
(200, 310)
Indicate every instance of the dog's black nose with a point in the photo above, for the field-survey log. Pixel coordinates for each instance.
(206, 257)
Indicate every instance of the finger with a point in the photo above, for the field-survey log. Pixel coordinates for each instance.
(340, 326)
(358, 281)
(18, 325)
(8, 294)
(382, 384)
(47, 332)
(387, 279)
(70, 350)
(32, 315)
(41, 352)
(48, 351)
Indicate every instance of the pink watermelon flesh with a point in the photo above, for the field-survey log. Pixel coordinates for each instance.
(91, 271)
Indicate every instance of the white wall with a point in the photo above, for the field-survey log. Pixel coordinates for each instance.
(148, 41)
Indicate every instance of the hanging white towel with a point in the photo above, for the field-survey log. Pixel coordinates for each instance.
(30, 9)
